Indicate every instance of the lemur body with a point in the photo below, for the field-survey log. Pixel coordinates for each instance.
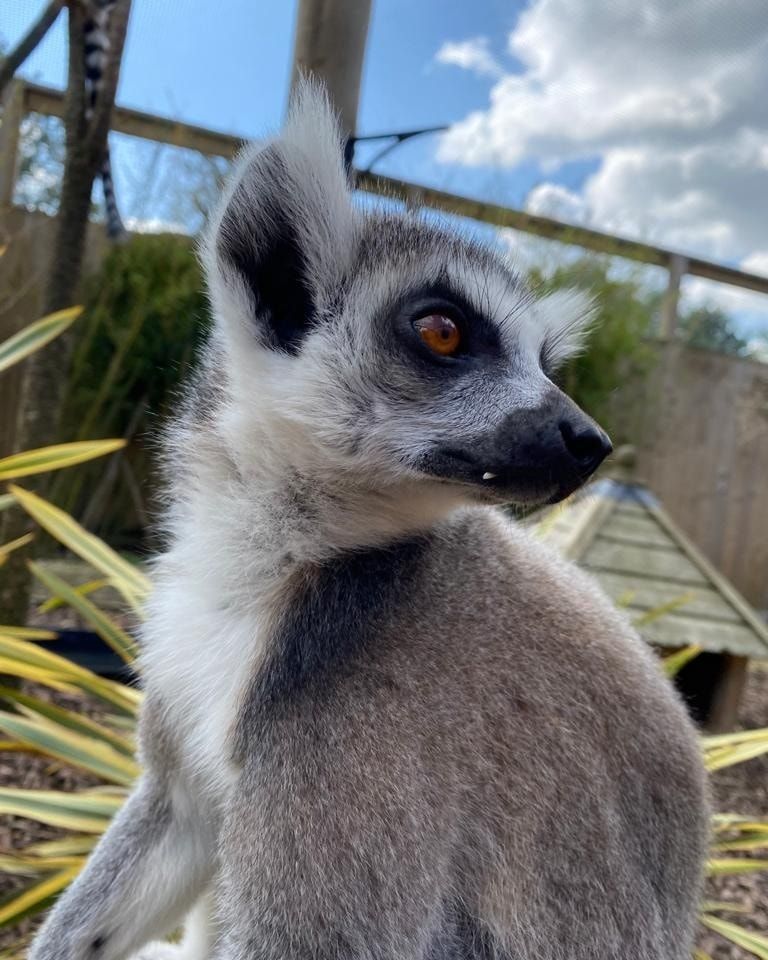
(96, 55)
(380, 720)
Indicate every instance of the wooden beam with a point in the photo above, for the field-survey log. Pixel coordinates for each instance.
(550, 229)
(148, 126)
(213, 143)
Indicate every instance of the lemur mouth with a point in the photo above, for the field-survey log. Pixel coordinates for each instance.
(530, 483)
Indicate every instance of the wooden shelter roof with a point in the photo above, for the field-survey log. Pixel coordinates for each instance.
(618, 531)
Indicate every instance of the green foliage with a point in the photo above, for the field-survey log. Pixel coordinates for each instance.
(144, 317)
(705, 327)
(616, 349)
(711, 329)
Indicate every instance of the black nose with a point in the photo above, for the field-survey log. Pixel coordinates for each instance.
(586, 443)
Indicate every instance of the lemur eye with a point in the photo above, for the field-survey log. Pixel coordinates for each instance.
(440, 334)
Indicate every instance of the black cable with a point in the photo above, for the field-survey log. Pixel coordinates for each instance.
(397, 139)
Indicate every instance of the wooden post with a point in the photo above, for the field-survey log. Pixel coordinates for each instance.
(727, 696)
(678, 267)
(13, 114)
(330, 45)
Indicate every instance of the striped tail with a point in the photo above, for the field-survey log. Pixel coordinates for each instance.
(96, 53)
(115, 227)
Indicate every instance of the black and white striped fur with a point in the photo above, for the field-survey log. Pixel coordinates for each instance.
(96, 53)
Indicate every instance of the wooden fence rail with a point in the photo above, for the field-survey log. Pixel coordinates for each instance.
(31, 98)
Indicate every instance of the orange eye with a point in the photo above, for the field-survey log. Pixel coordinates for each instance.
(440, 334)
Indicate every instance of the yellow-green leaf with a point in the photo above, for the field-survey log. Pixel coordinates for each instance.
(37, 897)
(729, 739)
(67, 846)
(753, 841)
(90, 586)
(8, 745)
(663, 609)
(625, 598)
(720, 865)
(753, 942)
(69, 719)
(11, 545)
(723, 906)
(29, 633)
(27, 671)
(728, 756)
(675, 662)
(71, 748)
(61, 670)
(744, 829)
(23, 866)
(6, 500)
(81, 812)
(724, 821)
(120, 692)
(55, 457)
(127, 578)
(107, 629)
(36, 335)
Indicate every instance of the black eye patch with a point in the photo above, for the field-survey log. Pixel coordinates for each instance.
(479, 336)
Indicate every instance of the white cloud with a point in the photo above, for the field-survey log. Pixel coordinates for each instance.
(154, 225)
(555, 200)
(757, 349)
(756, 262)
(473, 54)
(666, 97)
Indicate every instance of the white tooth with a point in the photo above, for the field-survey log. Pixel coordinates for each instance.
(489, 476)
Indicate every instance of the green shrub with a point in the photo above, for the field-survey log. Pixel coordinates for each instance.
(617, 348)
(145, 314)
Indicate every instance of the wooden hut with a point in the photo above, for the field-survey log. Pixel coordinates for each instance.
(617, 530)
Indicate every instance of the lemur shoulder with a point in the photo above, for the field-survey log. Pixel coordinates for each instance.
(381, 721)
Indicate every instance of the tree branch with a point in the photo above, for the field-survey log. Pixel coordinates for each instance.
(45, 376)
(10, 64)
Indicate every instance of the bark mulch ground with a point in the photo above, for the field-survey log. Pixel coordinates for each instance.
(743, 789)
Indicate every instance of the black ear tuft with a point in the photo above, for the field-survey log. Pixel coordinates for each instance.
(284, 231)
(261, 245)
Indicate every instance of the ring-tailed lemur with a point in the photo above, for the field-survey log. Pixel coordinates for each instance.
(381, 722)
(96, 53)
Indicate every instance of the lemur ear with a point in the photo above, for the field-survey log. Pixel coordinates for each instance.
(284, 226)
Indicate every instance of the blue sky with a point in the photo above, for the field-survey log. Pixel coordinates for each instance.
(239, 84)
(640, 117)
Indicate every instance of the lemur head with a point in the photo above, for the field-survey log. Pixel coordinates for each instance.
(379, 350)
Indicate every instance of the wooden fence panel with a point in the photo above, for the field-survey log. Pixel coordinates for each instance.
(23, 273)
(699, 420)
(22, 280)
